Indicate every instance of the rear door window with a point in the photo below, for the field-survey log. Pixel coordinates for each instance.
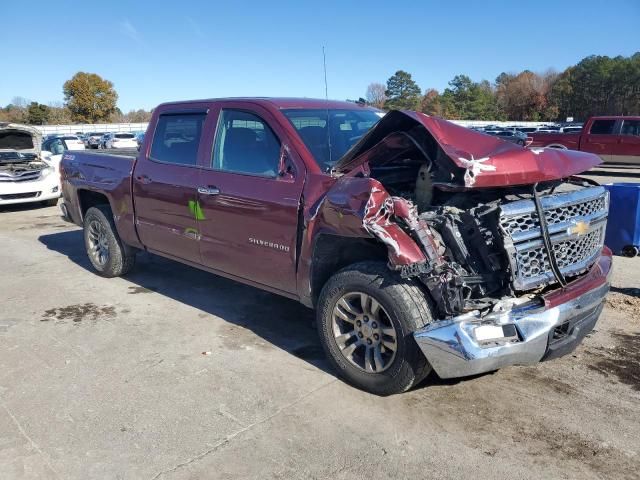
(602, 127)
(631, 127)
(177, 138)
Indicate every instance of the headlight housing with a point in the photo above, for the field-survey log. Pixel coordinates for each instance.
(45, 172)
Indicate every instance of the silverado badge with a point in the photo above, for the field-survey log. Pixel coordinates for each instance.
(265, 243)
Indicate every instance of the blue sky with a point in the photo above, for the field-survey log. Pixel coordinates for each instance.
(160, 51)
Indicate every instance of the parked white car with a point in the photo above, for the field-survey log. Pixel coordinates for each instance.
(25, 176)
(120, 140)
(93, 139)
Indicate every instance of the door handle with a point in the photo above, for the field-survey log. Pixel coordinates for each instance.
(208, 190)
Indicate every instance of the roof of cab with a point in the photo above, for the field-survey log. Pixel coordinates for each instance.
(615, 117)
(283, 102)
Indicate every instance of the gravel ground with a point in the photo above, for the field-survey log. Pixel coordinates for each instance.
(107, 379)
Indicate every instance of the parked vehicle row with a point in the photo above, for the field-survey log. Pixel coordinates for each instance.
(513, 136)
(559, 128)
(416, 240)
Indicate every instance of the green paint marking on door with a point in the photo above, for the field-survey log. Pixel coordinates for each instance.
(196, 210)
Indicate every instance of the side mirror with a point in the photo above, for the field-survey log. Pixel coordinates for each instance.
(285, 166)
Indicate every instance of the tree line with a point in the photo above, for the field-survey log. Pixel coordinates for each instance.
(88, 98)
(597, 85)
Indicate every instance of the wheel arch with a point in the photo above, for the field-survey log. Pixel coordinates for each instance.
(90, 198)
(331, 253)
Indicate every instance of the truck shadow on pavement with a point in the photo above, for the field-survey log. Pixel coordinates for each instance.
(283, 323)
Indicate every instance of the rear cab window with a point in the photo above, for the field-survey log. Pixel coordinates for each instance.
(602, 127)
(630, 127)
(177, 137)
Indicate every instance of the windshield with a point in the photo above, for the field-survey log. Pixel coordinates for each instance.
(328, 134)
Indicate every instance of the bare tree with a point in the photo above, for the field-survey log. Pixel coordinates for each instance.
(20, 102)
(375, 95)
(58, 114)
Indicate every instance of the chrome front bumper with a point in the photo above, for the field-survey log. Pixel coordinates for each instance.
(520, 334)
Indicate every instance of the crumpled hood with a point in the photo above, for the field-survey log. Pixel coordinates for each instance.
(483, 160)
(21, 138)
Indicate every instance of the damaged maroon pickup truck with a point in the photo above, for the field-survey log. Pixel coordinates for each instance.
(422, 245)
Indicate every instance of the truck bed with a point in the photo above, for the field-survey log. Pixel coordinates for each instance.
(120, 152)
(568, 140)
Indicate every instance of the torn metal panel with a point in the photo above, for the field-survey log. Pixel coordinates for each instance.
(361, 207)
(472, 159)
(377, 221)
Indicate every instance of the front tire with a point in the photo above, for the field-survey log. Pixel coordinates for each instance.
(52, 202)
(366, 317)
(106, 252)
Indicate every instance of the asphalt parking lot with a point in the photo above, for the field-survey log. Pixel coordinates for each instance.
(173, 373)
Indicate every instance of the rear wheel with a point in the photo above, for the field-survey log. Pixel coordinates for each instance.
(108, 255)
(366, 319)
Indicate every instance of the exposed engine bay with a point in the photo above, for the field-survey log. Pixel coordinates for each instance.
(471, 258)
(481, 246)
(20, 165)
(20, 153)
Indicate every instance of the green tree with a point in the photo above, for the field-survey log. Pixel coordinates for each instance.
(465, 99)
(598, 85)
(402, 92)
(37, 114)
(90, 98)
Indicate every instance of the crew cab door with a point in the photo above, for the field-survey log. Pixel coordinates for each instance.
(601, 138)
(627, 148)
(165, 181)
(249, 195)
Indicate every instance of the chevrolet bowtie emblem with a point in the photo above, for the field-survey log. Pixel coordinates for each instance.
(580, 228)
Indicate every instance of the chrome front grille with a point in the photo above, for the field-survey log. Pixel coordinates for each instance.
(576, 223)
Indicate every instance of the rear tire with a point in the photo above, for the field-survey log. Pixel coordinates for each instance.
(402, 308)
(106, 252)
